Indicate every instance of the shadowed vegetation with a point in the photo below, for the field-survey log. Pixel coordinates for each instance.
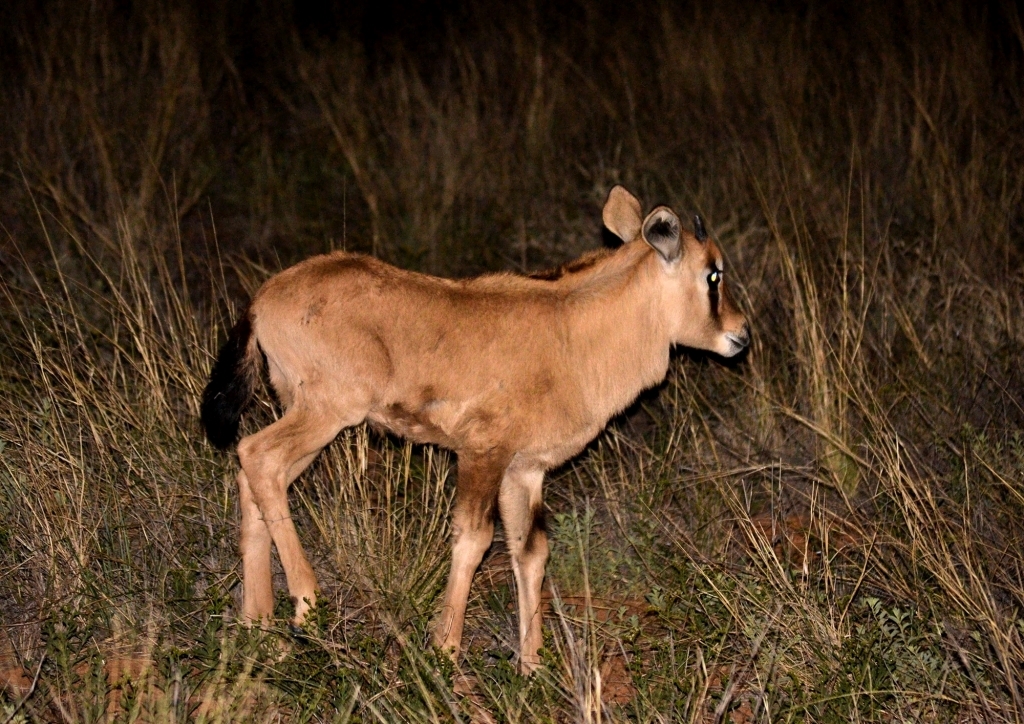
(829, 530)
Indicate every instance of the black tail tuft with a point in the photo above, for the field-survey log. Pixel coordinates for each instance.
(231, 386)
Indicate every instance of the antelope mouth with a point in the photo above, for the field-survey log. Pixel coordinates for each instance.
(738, 341)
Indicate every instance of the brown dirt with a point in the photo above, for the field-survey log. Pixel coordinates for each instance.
(794, 541)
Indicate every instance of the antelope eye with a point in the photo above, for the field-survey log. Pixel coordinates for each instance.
(714, 277)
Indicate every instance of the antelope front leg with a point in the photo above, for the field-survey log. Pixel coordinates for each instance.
(522, 515)
(472, 532)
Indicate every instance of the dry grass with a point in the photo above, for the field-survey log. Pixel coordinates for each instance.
(827, 531)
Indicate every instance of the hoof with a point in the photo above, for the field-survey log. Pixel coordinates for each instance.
(528, 666)
(463, 685)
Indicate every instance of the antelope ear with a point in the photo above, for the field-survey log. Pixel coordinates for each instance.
(622, 214)
(661, 230)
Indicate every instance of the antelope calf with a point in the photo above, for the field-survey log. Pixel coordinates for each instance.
(515, 374)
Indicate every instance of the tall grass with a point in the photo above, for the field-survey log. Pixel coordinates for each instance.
(827, 531)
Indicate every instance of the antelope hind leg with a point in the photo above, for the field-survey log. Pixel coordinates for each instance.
(271, 459)
(254, 546)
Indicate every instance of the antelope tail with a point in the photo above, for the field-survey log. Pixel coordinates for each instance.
(232, 384)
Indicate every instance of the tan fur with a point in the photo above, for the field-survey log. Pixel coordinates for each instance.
(515, 374)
